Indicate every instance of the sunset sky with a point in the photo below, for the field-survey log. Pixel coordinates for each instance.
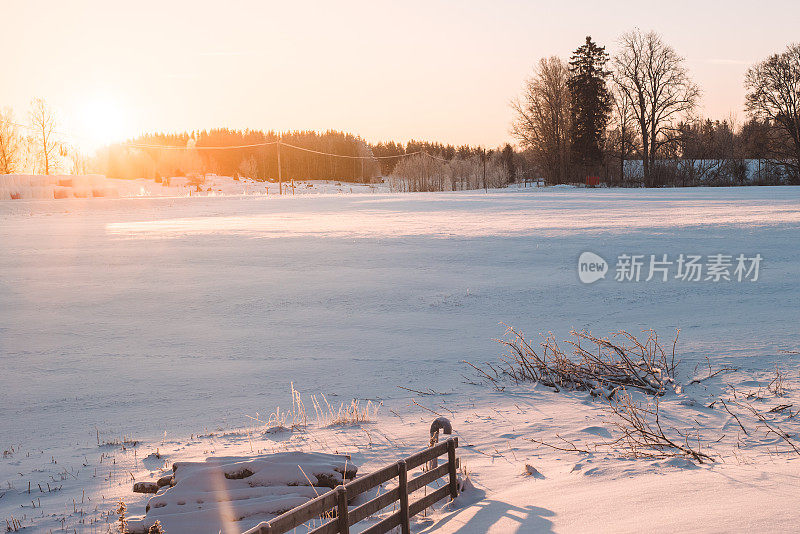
(437, 70)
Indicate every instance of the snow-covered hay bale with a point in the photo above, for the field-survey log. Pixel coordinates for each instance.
(37, 192)
(62, 192)
(230, 493)
(178, 181)
(105, 192)
(31, 186)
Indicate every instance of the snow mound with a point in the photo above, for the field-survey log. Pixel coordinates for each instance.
(235, 493)
(677, 462)
(597, 431)
(531, 471)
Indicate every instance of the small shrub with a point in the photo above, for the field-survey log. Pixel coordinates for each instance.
(122, 522)
(603, 368)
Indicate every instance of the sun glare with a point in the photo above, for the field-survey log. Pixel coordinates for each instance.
(101, 120)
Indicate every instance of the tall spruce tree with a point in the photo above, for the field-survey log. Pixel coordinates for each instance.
(590, 104)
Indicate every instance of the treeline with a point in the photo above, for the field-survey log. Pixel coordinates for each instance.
(424, 166)
(630, 119)
(304, 155)
(155, 156)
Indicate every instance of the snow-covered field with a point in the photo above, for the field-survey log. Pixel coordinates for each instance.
(28, 187)
(136, 326)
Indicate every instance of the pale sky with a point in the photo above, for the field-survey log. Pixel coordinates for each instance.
(435, 70)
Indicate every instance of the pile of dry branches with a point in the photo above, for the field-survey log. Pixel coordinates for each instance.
(601, 366)
(641, 434)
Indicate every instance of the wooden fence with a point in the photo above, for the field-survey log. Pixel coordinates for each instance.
(335, 501)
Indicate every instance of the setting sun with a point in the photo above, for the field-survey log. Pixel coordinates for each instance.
(99, 121)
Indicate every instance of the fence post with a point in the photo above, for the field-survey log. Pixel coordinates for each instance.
(451, 460)
(403, 487)
(342, 523)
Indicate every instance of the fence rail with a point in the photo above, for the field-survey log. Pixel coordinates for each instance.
(345, 517)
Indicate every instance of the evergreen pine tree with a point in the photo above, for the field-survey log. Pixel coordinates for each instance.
(590, 103)
(508, 159)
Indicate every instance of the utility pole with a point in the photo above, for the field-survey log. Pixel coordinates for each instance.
(280, 178)
(485, 186)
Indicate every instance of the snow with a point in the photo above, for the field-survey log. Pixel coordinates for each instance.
(137, 332)
(27, 186)
(240, 492)
(662, 499)
(709, 171)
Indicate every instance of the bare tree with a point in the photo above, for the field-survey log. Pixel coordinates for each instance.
(419, 173)
(652, 75)
(9, 143)
(43, 124)
(773, 94)
(422, 172)
(622, 126)
(248, 168)
(542, 120)
(79, 162)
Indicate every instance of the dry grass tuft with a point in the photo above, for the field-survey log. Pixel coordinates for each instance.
(345, 414)
(327, 414)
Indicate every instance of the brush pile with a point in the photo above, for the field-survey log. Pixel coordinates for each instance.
(602, 366)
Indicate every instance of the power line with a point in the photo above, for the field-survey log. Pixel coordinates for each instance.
(235, 147)
(226, 147)
(350, 157)
(145, 145)
(344, 155)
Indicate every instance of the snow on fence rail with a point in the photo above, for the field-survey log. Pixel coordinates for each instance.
(337, 499)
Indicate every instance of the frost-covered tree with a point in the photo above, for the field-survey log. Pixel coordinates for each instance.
(10, 143)
(421, 172)
(45, 143)
(80, 163)
(248, 168)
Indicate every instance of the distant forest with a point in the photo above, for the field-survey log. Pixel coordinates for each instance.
(624, 120)
(711, 152)
(130, 160)
(300, 157)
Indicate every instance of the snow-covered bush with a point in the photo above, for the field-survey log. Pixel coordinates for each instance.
(621, 361)
(422, 172)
